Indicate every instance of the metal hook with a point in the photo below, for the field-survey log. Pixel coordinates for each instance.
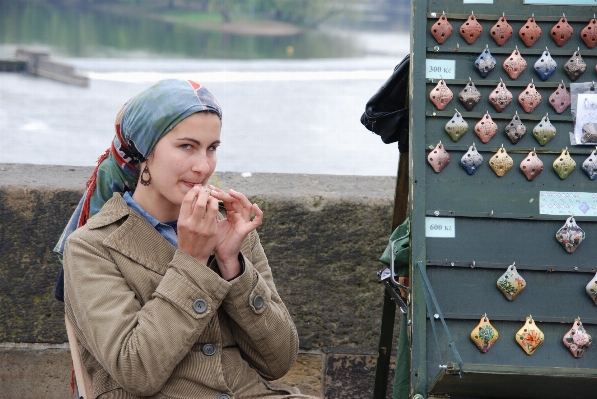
(516, 49)
(472, 13)
(457, 47)
(563, 15)
(516, 116)
(487, 47)
(534, 150)
(533, 82)
(503, 15)
(470, 80)
(444, 13)
(533, 15)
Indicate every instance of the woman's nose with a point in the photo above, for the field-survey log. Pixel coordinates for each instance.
(201, 165)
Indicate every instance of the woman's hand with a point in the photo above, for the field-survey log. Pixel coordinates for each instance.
(197, 223)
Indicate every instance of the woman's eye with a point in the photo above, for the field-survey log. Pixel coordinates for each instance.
(212, 148)
(186, 146)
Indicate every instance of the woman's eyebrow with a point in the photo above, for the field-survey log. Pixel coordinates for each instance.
(197, 141)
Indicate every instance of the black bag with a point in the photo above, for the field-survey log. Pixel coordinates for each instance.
(386, 113)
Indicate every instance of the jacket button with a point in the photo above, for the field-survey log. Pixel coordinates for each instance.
(223, 396)
(258, 302)
(209, 349)
(200, 306)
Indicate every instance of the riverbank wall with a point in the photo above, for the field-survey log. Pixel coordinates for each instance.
(322, 234)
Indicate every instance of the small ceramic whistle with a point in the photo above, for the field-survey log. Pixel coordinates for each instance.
(560, 99)
(511, 283)
(469, 96)
(576, 339)
(501, 162)
(589, 133)
(484, 335)
(530, 32)
(456, 127)
(529, 98)
(515, 129)
(515, 64)
(438, 158)
(562, 31)
(591, 289)
(485, 62)
(471, 29)
(589, 33)
(575, 66)
(544, 131)
(590, 165)
(441, 95)
(486, 128)
(472, 160)
(564, 164)
(529, 337)
(531, 166)
(545, 65)
(570, 235)
(500, 97)
(441, 30)
(501, 31)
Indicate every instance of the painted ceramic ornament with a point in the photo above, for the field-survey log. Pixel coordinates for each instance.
(530, 32)
(531, 166)
(472, 160)
(590, 165)
(562, 31)
(515, 64)
(441, 30)
(438, 158)
(484, 335)
(570, 235)
(501, 162)
(485, 62)
(515, 129)
(589, 33)
(511, 283)
(471, 29)
(545, 65)
(575, 66)
(577, 340)
(469, 96)
(486, 128)
(564, 164)
(501, 31)
(560, 99)
(529, 98)
(456, 127)
(529, 337)
(500, 97)
(544, 131)
(441, 95)
(591, 289)
(589, 133)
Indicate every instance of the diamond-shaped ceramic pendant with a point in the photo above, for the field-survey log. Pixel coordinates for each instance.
(501, 162)
(564, 164)
(515, 129)
(591, 289)
(530, 32)
(485, 62)
(531, 166)
(545, 65)
(471, 160)
(560, 99)
(577, 340)
(441, 30)
(589, 33)
(501, 31)
(529, 98)
(529, 337)
(471, 29)
(438, 158)
(486, 128)
(562, 31)
(570, 235)
(441, 95)
(484, 335)
(515, 64)
(590, 165)
(575, 66)
(544, 131)
(500, 97)
(469, 96)
(511, 283)
(589, 133)
(456, 127)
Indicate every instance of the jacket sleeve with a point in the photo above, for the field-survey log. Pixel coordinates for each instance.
(139, 346)
(261, 324)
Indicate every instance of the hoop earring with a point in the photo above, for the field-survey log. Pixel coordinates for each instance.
(145, 182)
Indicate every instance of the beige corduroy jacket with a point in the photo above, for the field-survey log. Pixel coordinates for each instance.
(153, 321)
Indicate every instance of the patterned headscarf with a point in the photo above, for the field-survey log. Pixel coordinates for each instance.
(140, 124)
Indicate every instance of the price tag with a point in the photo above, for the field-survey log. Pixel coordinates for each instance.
(440, 69)
(566, 204)
(440, 227)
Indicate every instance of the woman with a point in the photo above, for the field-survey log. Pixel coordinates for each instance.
(167, 287)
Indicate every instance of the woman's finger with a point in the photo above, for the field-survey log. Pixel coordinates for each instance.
(200, 204)
(188, 203)
(258, 219)
(211, 212)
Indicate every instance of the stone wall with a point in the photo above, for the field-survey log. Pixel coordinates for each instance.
(322, 234)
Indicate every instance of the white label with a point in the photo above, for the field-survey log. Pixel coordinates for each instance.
(586, 112)
(440, 69)
(563, 2)
(440, 227)
(477, 1)
(566, 204)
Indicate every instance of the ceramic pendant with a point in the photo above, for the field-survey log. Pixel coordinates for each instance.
(529, 337)
(562, 31)
(529, 98)
(471, 29)
(590, 165)
(544, 131)
(531, 166)
(441, 30)
(511, 283)
(589, 33)
(577, 340)
(500, 97)
(564, 164)
(591, 289)
(486, 128)
(515, 129)
(530, 32)
(515, 64)
(570, 235)
(438, 158)
(501, 162)
(484, 335)
(469, 96)
(589, 133)
(545, 65)
(441, 95)
(456, 127)
(575, 66)
(485, 62)
(501, 31)
(560, 99)
(471, 160)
